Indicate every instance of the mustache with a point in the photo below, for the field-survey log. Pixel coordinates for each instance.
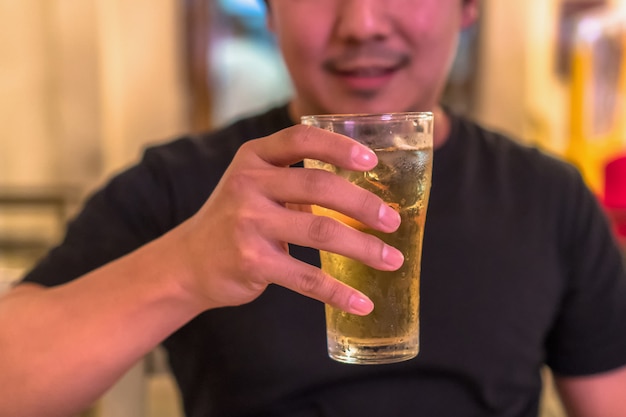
(371, 54)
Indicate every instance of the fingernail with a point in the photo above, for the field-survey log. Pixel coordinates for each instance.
(364, 157)
(392, 257)
(361, 305)
(389, 217)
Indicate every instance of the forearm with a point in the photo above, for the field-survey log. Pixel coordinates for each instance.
(63, 347)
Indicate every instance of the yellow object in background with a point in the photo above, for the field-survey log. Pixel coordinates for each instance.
(598, 94)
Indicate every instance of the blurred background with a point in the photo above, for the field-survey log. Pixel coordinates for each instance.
(85, 85)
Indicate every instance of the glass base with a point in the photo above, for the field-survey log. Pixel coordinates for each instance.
(372, 351)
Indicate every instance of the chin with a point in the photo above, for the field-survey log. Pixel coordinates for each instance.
(348, 108)
(378, 105)
(372, 105)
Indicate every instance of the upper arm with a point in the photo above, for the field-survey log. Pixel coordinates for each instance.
(602, 394)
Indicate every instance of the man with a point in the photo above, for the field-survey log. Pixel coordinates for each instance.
(518, 267)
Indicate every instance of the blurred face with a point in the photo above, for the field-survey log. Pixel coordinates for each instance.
(368, 56)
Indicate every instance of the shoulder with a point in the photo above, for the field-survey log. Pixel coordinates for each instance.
(187, 169)
(175, 178)
(500, 162)
(219, 145)
(139, 204)
(505, 150)
(519, 178)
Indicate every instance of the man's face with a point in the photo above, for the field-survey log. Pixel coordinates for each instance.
(357, 56)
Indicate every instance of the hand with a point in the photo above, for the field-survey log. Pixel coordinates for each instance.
(237, 242)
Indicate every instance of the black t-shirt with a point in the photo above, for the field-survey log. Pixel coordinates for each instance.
(519, 269)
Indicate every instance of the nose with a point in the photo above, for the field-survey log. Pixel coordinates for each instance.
(362, 20)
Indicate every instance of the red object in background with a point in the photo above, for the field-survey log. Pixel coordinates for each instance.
(615, 194)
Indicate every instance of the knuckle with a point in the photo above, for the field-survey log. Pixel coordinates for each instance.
(309, 281)
(337, 296)
(255, 262)
(303, 134)
(313, 183)
(239, 180)
(322, 229)
(248, 260)
(372, 247)
(245, 147)
(305, 137)
(246, 151)
(315, 283)
(245, 222)
(368, 202)
(248, 147)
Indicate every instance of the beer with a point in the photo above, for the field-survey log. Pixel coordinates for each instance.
(390, 333)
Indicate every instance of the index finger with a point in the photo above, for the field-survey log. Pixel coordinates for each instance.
(298, 142)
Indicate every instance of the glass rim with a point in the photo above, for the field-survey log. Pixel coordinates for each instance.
(414, 115)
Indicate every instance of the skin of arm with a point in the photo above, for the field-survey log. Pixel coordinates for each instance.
(62, 347)
(601, 394)
(69, 344)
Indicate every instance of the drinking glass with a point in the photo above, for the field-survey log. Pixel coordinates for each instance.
(403, 143)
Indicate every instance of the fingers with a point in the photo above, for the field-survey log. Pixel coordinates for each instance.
(313, 282)
(293, 144)
(325, 189)
(328, 234)
(247, 222)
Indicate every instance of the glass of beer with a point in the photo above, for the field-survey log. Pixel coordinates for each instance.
(403, 143)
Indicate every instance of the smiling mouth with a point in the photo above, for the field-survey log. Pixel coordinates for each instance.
(367, 71)
(363, 80)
